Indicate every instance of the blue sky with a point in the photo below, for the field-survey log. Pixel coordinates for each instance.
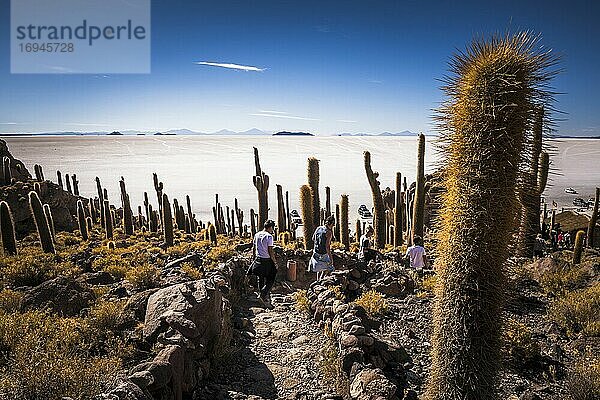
(329, 67)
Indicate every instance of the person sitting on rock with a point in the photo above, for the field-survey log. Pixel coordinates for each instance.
(416, 254)
(321, 261)
(366, 251)
(264, 265)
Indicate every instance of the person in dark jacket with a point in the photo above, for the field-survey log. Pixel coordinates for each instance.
(321, 261)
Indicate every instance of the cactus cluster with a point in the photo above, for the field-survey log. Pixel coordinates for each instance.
(127, 212)
(482, 125)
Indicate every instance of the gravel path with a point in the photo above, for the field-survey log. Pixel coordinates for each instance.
(278, 354)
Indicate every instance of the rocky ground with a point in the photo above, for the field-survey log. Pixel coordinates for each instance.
(278, 354)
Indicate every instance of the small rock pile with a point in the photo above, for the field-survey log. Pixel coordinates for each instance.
(375, 368)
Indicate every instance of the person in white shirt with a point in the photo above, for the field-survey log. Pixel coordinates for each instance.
(416, 254)
(264, 265)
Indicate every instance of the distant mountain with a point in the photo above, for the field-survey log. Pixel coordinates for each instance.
(182, 132)
(403, 133)
(576, 137)
(254, 131)
(286, 133)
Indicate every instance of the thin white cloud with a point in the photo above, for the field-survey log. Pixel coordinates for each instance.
(376, 81)
(272, 112)
(8, 123)
(231, 66)
(348, 121)
(283, 116)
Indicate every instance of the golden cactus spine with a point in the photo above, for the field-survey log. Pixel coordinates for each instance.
(482, 126)
(7, 230)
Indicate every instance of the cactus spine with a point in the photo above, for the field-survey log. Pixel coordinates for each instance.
(379, 215)
(41, 223)
(344, 224)
(7, 230)
(167, 220)
(306, 207)
(261, 183)
(108, 221)
(83, 228)
(593, 220)
(482, 125)
(419, 201)
(313, 182)
(398, 209)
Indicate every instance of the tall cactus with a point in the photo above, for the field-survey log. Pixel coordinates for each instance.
(60, 181)
(327, 201)
(81, 220)
(306, 207)
(50, 219)
(212, 234)
(261, 183)
(379, 215)
(482, 126)
(68, 182)
(7, 230)
(41, 223)
(6, 172)
(358, 232)
(419, 202)
(398, 209)
(108, 221)
(75, 185)
(532, 186)
(239, 214)
(100, 201)
(593, 220)
(337, 233)
(287, 211)
(158, 187)
(344, 223)
(39, 173)
(313, 182)
(167, 220)
(252, 222)
(127, 212)
(281, 222)
(578, 248)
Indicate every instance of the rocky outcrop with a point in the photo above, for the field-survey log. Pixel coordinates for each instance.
(17, 169)
(62, 204)
(61, 295)
(183, 323)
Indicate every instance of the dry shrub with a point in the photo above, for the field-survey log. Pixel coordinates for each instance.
(337, 246)
(218, 254)
(191, 271)
(104, 315)
(373, 303)
(584, 379)
(45, 357)
(32, 266)
(143, 276)
(564, 279)
(519, 346)
(302, 303)
(183, 248)
(427, 284)
(10, 301)
(330, 367)
(578, 311)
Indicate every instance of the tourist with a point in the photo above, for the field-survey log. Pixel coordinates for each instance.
(539, 246)
(366, 252)
(321, 261)
(264, 265)
(416, 254)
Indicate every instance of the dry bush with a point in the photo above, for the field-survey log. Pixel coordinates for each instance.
(337, 246)
(427, 284)
(218, 254)
(337, 291)
(302, 303)
(183, 248)
(104, 315)
(519, 346)
(45, 357)
(191, 271)
(584, 379)
(564, 279)
(578, 311)
(373, 303)
(10, 301)
(32, 266)
(331, 368)
(143, 277)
